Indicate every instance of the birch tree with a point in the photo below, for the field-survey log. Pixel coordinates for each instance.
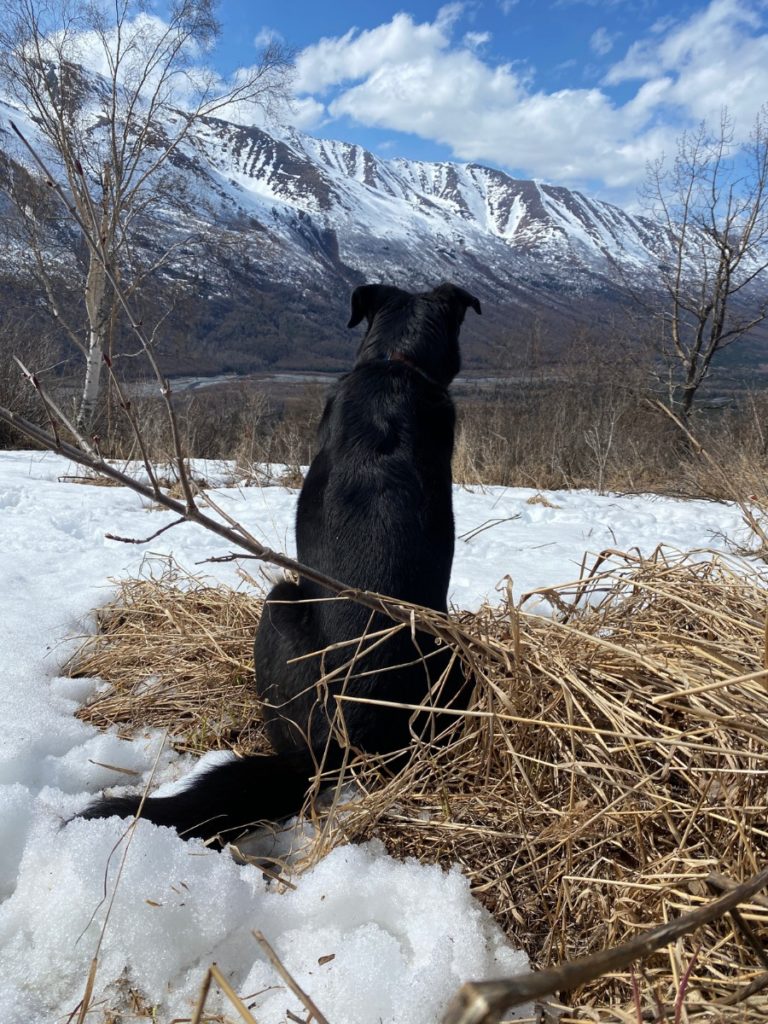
(712, 206)
(114, 91)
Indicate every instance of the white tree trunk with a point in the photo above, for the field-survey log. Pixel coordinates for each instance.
(92, 384)
(95, 306)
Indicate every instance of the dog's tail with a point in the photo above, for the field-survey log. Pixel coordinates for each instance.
(229, 799)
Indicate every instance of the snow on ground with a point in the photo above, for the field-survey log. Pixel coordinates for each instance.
(404, 936)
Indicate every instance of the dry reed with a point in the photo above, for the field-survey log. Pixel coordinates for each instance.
(615, 755)
(176, 653)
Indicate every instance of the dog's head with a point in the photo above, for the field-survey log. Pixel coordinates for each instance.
(422, 327)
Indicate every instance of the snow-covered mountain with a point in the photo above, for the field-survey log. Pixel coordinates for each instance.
(281, 224)
(405, 220)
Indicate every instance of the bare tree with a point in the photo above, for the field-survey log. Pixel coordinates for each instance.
(114, 133)
(712, 207)
(600, 435)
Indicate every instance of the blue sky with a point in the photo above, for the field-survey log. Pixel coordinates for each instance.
(577, 92)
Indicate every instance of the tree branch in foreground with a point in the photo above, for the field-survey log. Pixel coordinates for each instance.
(428, 620)
(484, 1002)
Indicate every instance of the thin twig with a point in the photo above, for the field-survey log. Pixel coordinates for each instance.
(258, 863)
(721, 883)
(128, 836)
(146, 540)
(292, 984)
(684, 983)
(231, 995)
(748, 932)
(51, 407)
(202, 998)
(758, 985)
(487, 525)
(743, 925)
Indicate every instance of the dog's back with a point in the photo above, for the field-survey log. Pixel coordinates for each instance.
(376, 507)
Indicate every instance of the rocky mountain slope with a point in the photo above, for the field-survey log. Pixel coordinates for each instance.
(271, 230)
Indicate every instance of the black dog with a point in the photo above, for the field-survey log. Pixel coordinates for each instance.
(375, 512)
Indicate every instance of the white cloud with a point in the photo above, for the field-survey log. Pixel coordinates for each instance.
(306, 113)
(265, 36)
(602, 41)
(433, 80)
(405, 76)
(356, 55)
(449, 14)
(566, 65)
(415, 77)
(663, 24)
(717, 57)
(476, 40)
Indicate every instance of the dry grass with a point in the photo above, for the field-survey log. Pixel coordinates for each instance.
(89, 479)
(541, 499)
(613, 758)
(176, 654)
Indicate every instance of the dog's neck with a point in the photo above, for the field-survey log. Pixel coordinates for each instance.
(401, 357)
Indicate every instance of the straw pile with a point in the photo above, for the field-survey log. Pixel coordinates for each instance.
(176, 653)
(615, 757)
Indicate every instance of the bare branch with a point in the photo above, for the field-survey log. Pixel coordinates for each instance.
(145, 540)
(51, 407)
(484, 1002)
(429, 621)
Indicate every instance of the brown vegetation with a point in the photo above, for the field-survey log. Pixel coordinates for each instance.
(592, 420)
(584, 436)
(176, 652)
(569, 433)
(613, 758)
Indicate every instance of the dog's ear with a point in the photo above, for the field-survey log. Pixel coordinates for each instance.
(465, 298)
(367, 300)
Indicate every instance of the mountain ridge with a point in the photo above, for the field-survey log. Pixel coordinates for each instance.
(279, 220)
